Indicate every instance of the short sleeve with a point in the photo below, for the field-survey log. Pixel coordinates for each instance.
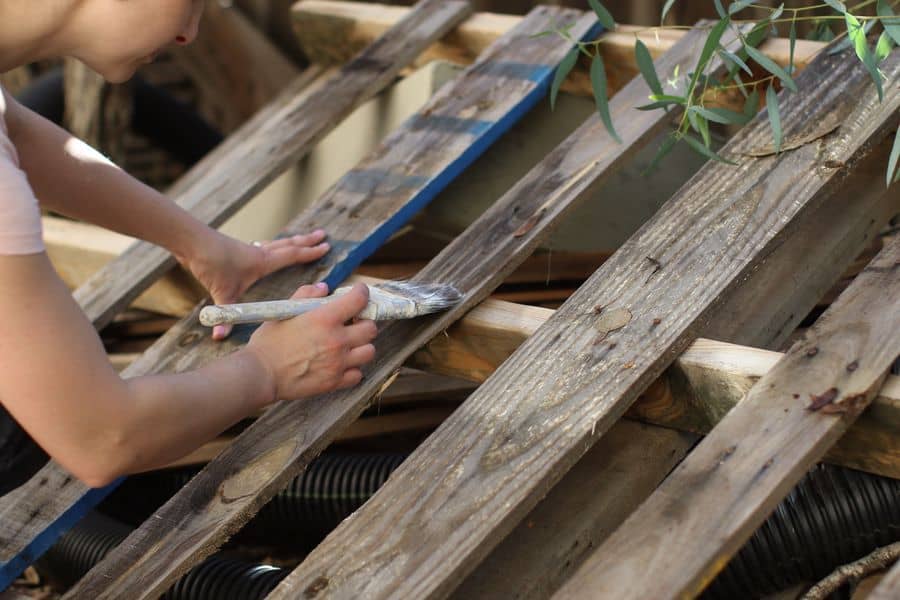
(20, 216)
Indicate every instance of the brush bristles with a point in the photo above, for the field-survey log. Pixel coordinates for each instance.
(428, 297)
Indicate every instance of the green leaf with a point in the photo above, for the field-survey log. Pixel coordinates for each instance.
(751, 106)
(883, 47)
(719, 9)
(793, 38)
(712, 42)
(565, 67)
(603, 15)
(735, 59)
(894, 159)
(737, 7)
(774, 117)
(645, 64)
(699, 148)
(857, 33)
(777, 14)
(890, 22)
(663, 150)
(838, 6)
(701, 126)
(721, 115)
(660, 104)
(769, 65)
(741, 85)
(665, 10)
(598, 83)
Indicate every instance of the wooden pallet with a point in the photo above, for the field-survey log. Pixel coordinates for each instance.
(554, 384)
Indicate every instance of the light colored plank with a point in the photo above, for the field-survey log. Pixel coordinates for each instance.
(78, 250)
(889, 588)
(33, 516)
(361, 211)
(689, 529)
(466, 487)
(318, 23)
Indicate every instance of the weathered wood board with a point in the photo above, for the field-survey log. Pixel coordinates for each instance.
(689, 529)
(889, 588)
(33, 516)
(361, 211)
(693, 395)
(259, 151)
(471, 482)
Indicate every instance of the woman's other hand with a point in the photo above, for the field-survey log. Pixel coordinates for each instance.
(228, 267)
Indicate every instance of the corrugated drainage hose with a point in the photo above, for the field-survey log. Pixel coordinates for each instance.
(314, 503)
(834, 516)
(217, 578)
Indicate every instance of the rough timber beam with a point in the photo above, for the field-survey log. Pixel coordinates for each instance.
(694, 394)
(319, 22)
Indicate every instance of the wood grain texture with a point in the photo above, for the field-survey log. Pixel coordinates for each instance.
(511, 441)
(52, 501)
(889, 588)
(704, 383)
(362, 210)
(265, 146)
(698, 518)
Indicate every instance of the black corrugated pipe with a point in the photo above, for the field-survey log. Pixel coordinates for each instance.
(834, 516)
(328, 491)
(217, 578)
(169, 123)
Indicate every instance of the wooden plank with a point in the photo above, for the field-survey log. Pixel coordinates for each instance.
(265, 146)
(578, 513)
(78, 250)
(716, 498)
(318, 23)
(511, 441)
(34, 515)
(361, 211)
(889, 588)
(693, 395)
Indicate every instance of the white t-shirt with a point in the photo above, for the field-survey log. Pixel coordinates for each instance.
(20, 216)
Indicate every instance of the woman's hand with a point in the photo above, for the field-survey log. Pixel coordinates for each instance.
(228, 267)
(319, 351)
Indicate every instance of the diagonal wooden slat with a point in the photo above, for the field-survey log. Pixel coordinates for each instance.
(889, 588)
(360, 212)
(484, 468)
(712, 503)
(263, 148)
(34, 516)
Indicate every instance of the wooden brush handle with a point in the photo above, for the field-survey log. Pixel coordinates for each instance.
(257, 312)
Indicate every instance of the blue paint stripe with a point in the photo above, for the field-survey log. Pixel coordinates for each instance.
(40, 544)
(448, 124)
(513, 70)
(438, 183)
(487, 133)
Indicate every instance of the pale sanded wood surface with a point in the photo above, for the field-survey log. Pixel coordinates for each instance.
(889, 588)
(265, 146)
(360, 211)
(465, 488)
(35, 514)
(698, 518)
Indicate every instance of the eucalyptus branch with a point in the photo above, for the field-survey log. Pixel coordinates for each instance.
(702, 81)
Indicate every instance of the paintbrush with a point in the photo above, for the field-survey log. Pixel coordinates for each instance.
(387, 301)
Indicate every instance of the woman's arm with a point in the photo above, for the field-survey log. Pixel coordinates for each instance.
(73, 179)
(56, 381)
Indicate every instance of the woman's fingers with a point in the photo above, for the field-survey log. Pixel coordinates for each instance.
(360, 333)
(285, 256)
(360, 355)
(316, 290)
